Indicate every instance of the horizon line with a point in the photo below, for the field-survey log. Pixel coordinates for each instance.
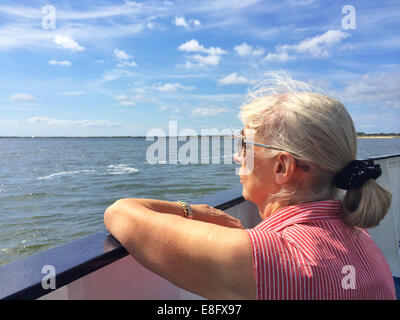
(116, 136)
(359, 134)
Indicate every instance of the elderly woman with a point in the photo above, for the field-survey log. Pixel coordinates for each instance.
(297, 150)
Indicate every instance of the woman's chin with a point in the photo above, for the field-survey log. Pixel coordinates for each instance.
(245, 195)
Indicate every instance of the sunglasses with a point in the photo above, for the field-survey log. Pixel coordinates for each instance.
(242, 142)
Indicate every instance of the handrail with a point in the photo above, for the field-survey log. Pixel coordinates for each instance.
(394, 155)
(22, 279)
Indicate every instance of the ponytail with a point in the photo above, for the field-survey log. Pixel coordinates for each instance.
(366, 202)
(366, 206)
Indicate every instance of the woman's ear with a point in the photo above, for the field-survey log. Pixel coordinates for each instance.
(284, 168)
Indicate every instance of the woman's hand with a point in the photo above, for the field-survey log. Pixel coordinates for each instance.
(203, 212)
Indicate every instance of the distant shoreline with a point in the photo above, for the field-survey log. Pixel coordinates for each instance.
(112, 137)
(378, 137)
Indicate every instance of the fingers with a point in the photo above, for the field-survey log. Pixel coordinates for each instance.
(238, 224)
(227, 220)
(233, 222)
(213, 215)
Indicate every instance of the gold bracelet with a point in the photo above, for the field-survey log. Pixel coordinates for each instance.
(187, 209)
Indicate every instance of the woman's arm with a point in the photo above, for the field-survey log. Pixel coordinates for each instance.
(210, 260)
(201, 212)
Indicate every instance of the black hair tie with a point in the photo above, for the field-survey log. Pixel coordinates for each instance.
(356, 173)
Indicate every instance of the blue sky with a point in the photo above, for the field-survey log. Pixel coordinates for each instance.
(116, 68)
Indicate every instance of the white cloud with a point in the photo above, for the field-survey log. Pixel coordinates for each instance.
(243, 50)
(121, 97)
(123, 58)
(189, 65)
(16, 36)
(216, 51)
(121, 55)
(126, 64)
(316, 47)
(278, 57)
(211, 60)
(125, 100)
(149, 22)
(233, 78)
(208, 111)
(19, 11)
(379, 90)
(211, 56)
(64, 42)
(192, 46)
(247, 50)
(107, 11)
(181, 22)
(171, 108)
(77, 123)
(115, 74)
(258, 51)
(22, 97)
(127, 103)
(64, 63)
(195, 22)
(173, 87)
(300, 2)
(221, 8)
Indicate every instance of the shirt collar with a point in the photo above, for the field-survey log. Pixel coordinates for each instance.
(301, 213)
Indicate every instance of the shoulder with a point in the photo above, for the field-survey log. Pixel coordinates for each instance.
(271, 245)
(310, 241)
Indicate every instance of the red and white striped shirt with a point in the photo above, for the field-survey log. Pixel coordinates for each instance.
(306, 251)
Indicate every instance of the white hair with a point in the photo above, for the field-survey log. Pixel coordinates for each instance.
(297, 117)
